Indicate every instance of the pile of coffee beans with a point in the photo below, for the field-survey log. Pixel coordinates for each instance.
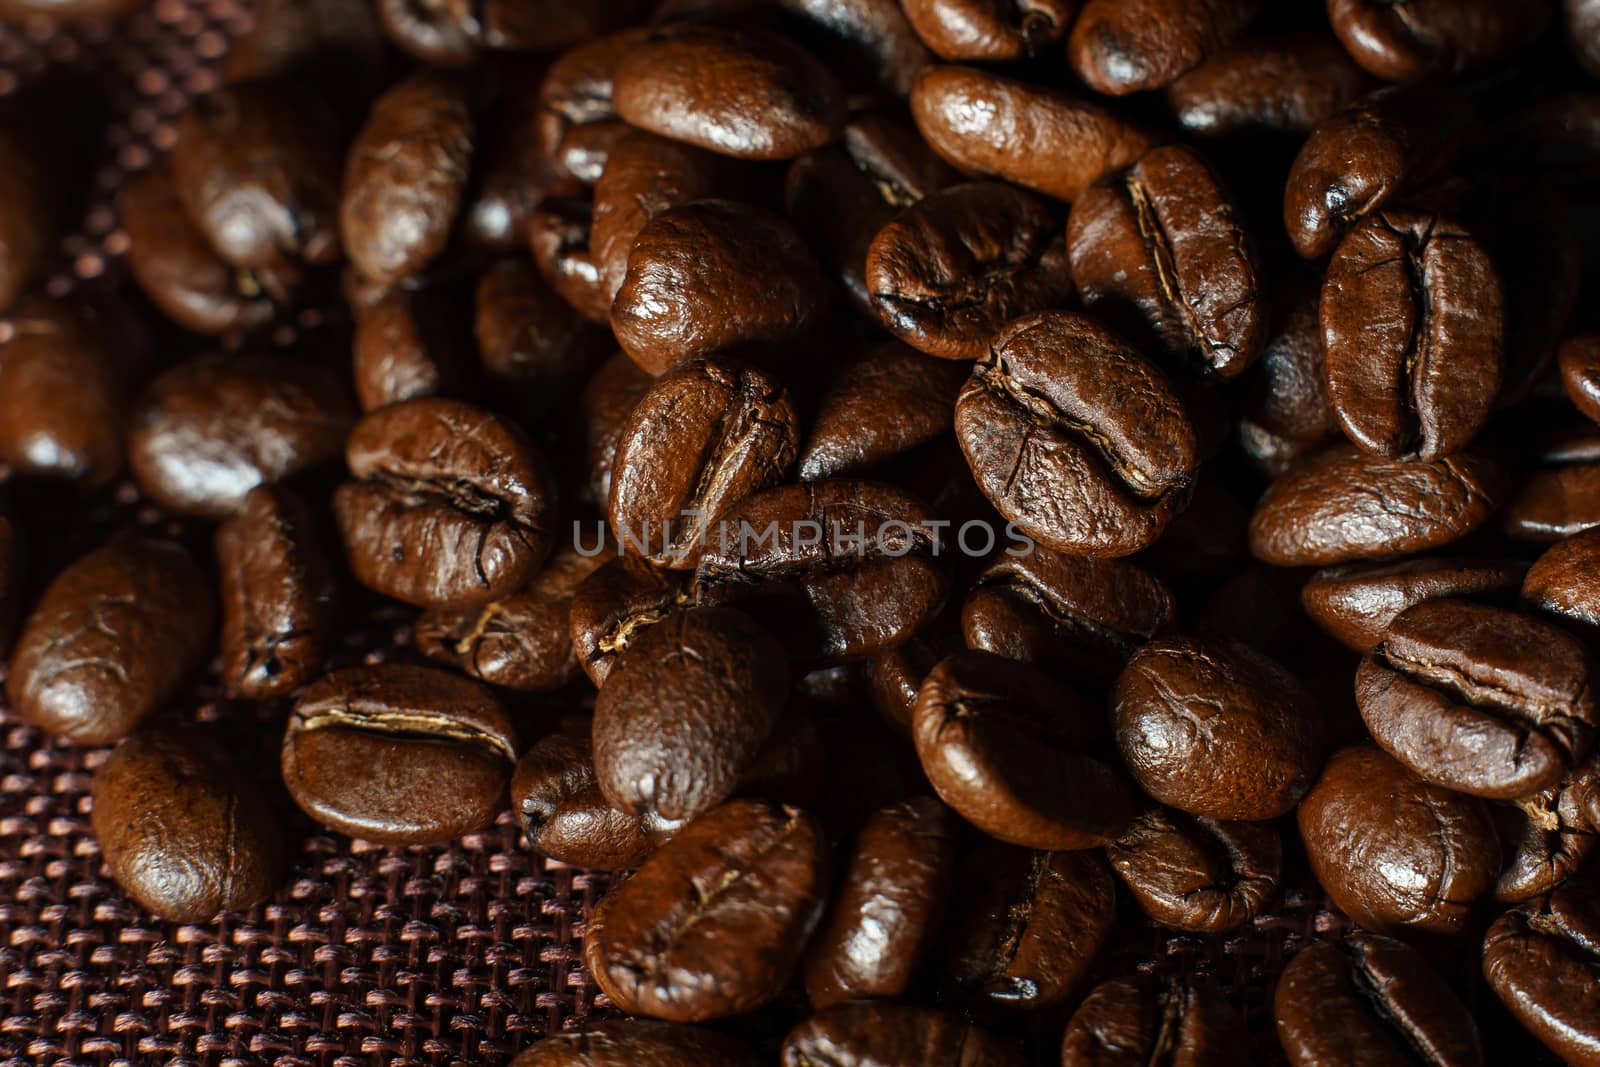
(931, 487)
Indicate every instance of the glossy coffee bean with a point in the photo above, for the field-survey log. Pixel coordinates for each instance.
(894, 1035)
(741, 92)
(514, 177)
(1434, 37)
(1128, 1023)
(1553, 502)
(406, 175)
(1011, 751)
(887, 909)
(1159, 252)
(1579, 359)
(713, 924)
(441, 33)
(1547, 837)
(398, 754)
(558, 235)
(616, 604)
(1561, 584)
(707, 434)
(990, 29)
(1075, 438)
(991, 126)
(1393, 851)
(450, 505)
(645, 174)
(684, 711)
(1214, 728)
(1414, 330)
(577, 88)
(1541, 961)
(529, 340)
(1479, 699)
(403, 349)
(869, 43)
(28, 215)
(877, 408)
(1195, 873)
(279, 595)
(629, 1042)
(712, 276)
(1125, 46)
(110, 641)
(1287, 399)
(1355, 604)
(559, 806)
(951, 270)
(1370, 1000)
(182, 833)
(604, 404)
(207, 432)
(1288, 84)
(895, 677)
(1339, 506)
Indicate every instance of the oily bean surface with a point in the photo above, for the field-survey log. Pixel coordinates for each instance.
(1126, 46)
(990, 29)
(1195, 873)
(616, 604)
(1354, 604)
(877, 408)
(1561, 583)
(1128, 1023)
(403, 348)
(558, 804)
(1540, 960)
(1287, 84)
(1433, 36)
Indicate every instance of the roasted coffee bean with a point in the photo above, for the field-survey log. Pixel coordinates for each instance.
(514, 177)
(1075, 438)
(439, 32)
(279, 595)
(110, 641)
(529, 340)
(895, 677)
(684, 711)
(398, 754)
(1561, 583)
(1542, 962)
(403, 349)
(707, 434)
(61, 396)
(603, 407)
(1580, 372)
(181, 830)
(1547, 838)
(1129, 1023)
(1048, 141)
(1198, 874)
(1355, 604)
(1371, 1000)
(207, 432)
(954, 268)
(1125, 46)
(518, 26)
(869, 42)
(633, 1042)
(1583, 32)
(990, 29)
(558, 235)
(1414, 332)
(1479, 699)
(1012, 751)
(1289, 84)
(1340, 505)
(406, 175)
(176, 267)
(1393, 851)
(644, 176)
(886, 912)
(1434, 36)
(616, 604)
(1159, 251)
(1212, 727)
(559, 806)
(877, 408)
(1288, 395)
(576, 90)
(1030, 925)
(893, 1035)
(838, 569)
(451, 505)
(713, 924)
(28, 213)
(743, 92)
(1553, 502)
(713, 276)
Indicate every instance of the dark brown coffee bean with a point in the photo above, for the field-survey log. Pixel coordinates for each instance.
(1479, 699)
(869, 42)
(1340, 505)
(838, 569)
(1198, 874)
(403, 349)
(713, 924)
(28, 213)
(1289, 84)
(603, 407)
(1580, 372)
(1434, 36)
(954, 268)
(1561, 583)
(684, 710)
(279, 596)
(207, 432)
(514, 177)
(893, 1035)
(644, 176)
(1414, 331)
(895, 677)
(1542, 962)
(398, 754)
(406, 176)
(712, 276)
(1125, 46)
(744, 92)
(451, 505)
(550, 25)
(634, 1042)
(890, 900)
(1130, 1023)
(181, 830)
(576, 90)
(707, 434)
(1547, 838)
(529, 340)
(559, 806)
(1160, 253)
(1288, 396)
(558, 235)
(1030, 925)
(1370, 1001)
(990, 29)
(1355, 604)
(1075, 438)
(1214, 728)
(110, 641)
(877, 408)
(1041, 139)
(1553, 502)
(1393, 851)
(438, 32)
(616, 604)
